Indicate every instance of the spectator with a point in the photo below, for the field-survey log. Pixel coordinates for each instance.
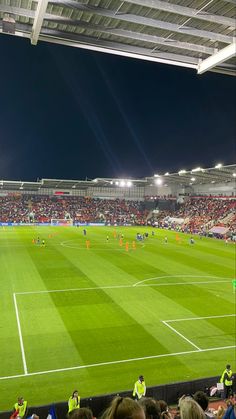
(230, 412)
(82, 413)
(201, 398)
(165, 414)
(151, 408)
(124, 408)
(190, 409)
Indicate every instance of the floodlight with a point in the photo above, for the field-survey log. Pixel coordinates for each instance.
(122, 183)
(159, 181)
(166, 174)
(234, 174)
(198, 169)
(156, 175)
(181, 172)
(193, 179)
(117, 183)
(95, 180)
(129, 183)
(218, 166)
(111, 182)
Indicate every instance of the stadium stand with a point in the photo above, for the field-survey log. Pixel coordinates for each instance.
(195, 215)
(199, 215)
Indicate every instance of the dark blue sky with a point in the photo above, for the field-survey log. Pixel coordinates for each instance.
(71, 113)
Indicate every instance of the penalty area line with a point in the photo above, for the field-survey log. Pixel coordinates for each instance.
(122, 361)
(20, 336)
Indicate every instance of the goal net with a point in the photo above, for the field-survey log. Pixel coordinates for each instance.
(61, 222)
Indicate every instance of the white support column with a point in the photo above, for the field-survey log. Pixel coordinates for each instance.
(217, 58)
(38, 21)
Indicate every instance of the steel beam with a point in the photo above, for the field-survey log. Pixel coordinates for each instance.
(218, 58)
(140, 20)
(38, 20)
(184, 11)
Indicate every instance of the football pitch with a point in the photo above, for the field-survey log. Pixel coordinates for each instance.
(97, 318)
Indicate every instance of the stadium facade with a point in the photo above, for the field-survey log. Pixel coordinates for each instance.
(217, 181)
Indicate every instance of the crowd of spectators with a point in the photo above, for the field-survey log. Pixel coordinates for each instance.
(38, 208)
(199, 215)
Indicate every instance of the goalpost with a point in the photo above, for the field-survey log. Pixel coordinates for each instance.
(61, 222)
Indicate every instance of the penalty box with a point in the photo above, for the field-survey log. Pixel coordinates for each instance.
(204, 332)
(47, 345)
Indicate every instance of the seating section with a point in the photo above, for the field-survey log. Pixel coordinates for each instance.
(80, 209)
(201, 214)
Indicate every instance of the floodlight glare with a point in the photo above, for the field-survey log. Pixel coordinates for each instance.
(158, 181)
(234, 174)
(122, 183)
(129, 183)
(198, 169)
(156, 175)
(117, 183)
(218, 166)
(193, 179)
(181, 172)
(166, 174)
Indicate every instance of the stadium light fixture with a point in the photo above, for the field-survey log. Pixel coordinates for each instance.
(198, 169)
(156, 175)
(166, 174)
(158, 181)
(111, 182)
(218, 166)
(122, 183)
(129, 183)
(117, 183)
(182, 172)
(95, 180)
(193, 179)
(234, 174)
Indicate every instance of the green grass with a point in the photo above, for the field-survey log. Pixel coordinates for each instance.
(95, 317)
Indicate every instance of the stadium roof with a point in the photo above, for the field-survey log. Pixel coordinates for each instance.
(198, 34)
(218, 174)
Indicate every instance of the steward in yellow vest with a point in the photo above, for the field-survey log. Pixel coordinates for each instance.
(227, 380)
(139, 388)
(74, 401)
(20, 407)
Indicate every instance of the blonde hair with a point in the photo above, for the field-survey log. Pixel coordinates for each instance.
(122, 408)
(190, 409)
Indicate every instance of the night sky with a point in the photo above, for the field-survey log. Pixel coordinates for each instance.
(69, 113)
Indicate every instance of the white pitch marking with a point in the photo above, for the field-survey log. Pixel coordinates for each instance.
(20, 336)
(122, 361)
(63, 244)
(200, 318)
(182, 336)
(177, 276)
(123, 286)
